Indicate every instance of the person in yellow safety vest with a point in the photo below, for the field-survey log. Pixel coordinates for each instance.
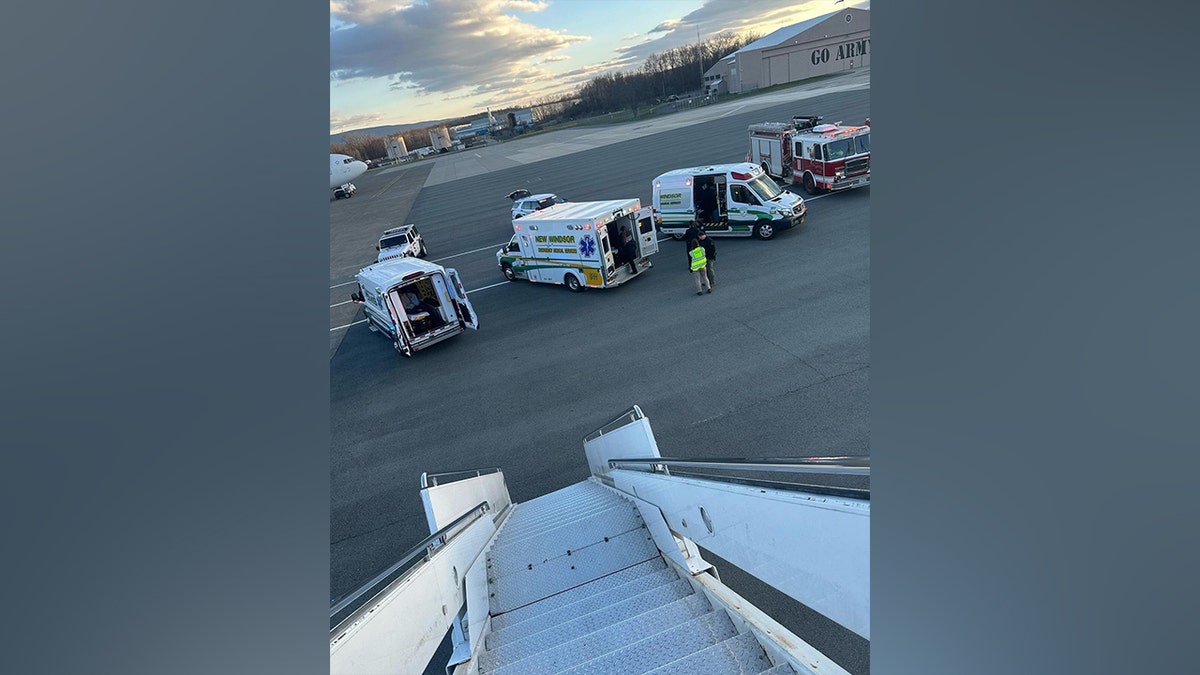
(697, 262)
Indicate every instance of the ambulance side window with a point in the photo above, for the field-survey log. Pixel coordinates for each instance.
(741, 194)
(646, 225)
(513, 246)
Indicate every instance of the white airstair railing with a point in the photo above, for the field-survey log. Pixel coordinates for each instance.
(812, 546)
(399, 628)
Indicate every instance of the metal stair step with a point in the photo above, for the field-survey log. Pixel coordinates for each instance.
(557, 499)
(662, 648)
(520, 525)
(568, 536)
(533, 514)
(662, 582)
(510, 644)
(592, 590)
(592, 645)
(514, 586)
(781, 669)
(739, 655)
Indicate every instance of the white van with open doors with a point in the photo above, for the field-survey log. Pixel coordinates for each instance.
(727, 200)
(415, 303)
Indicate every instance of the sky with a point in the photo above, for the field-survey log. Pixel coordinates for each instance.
(407, 61)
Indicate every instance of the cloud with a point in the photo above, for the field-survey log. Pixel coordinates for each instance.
(339, 122)
(555, 57)
(629, 37)
(439, 45)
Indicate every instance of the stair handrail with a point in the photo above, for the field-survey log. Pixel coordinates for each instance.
(431, 479)
(631, 415)
(829, 465)
(427, 547)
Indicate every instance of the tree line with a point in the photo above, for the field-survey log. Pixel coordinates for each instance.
(677, 71)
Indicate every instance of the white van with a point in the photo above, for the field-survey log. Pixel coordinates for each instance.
(747, 202)
(578, 244)
(415, 303)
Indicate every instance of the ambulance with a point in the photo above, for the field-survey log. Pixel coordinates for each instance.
(415, 303)
(578, 244)
(748, 202)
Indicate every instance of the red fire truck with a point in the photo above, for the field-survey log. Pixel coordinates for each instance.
(818, 156)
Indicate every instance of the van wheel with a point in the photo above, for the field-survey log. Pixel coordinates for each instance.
(423, 252)
(766, 169)
(764, 231)
(508, 272)
(572, 283)
(810, 185)
(677, 236)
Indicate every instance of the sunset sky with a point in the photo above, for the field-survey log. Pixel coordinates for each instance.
(405, 61)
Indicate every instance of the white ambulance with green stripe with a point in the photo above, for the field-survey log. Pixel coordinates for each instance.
(578, 244)
(748, 202)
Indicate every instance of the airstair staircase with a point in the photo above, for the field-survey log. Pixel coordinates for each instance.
(604, 576)
(578, 586)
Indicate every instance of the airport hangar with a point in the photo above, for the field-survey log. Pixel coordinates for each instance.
(823, 45)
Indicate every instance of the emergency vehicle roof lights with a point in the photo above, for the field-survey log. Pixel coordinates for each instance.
(739, 176)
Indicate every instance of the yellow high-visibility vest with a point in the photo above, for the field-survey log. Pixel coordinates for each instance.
(698, 258)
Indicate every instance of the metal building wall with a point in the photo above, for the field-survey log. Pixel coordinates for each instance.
(834, 45)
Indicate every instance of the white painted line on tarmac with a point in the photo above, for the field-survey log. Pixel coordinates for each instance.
(731, 111)
(493, 247)
(340, 304)
(487, 287)
(387, 187)
(342, 284)
(347, 325)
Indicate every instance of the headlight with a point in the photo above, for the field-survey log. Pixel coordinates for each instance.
(841, 173)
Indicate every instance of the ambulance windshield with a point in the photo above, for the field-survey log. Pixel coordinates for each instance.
(765, 188)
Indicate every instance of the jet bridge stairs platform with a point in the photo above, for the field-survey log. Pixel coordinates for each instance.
(604, 576)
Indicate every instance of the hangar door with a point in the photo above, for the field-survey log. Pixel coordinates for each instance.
(777, 70)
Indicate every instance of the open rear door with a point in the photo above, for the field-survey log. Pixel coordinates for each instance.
(647, 235)
(404, 330)
(465, 310)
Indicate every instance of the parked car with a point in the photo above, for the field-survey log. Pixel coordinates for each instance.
(401, 241)
(525, 203)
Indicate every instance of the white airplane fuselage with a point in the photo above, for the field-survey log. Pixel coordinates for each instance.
(343, 169)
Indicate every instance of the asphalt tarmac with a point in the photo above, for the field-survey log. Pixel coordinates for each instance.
(774, 363)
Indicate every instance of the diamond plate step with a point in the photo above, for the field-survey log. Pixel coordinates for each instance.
(511, 587)
(661, 581)
(532, 515)
(740, 655)
(615, 637)
(593, 591)
(781, 669)
(509, 649)
(563, 538)
(558, 499)
(662, 648)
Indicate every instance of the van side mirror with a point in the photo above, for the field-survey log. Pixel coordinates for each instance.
(376, 247)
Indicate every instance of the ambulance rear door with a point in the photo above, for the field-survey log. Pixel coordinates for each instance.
(647, 235)
(465, 310)
(404, 329)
